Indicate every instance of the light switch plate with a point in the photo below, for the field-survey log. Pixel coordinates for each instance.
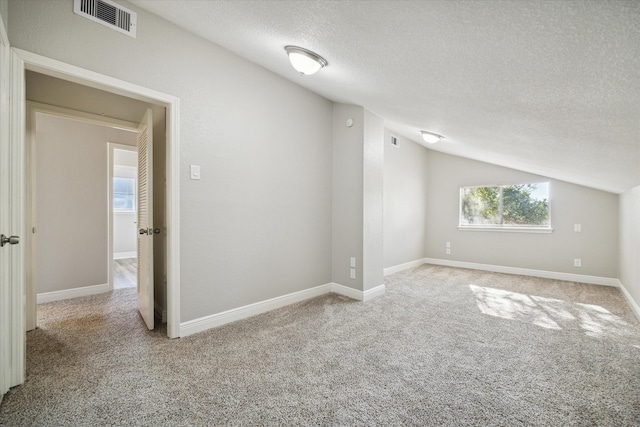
(195, 172)
(353, 262)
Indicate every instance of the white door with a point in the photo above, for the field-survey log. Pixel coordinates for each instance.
(5, 331)
(145, 219)
(12, 332)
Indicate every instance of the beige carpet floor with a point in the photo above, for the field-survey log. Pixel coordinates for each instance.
(443, 346)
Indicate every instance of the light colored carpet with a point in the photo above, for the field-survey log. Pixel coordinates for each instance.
(444, 346)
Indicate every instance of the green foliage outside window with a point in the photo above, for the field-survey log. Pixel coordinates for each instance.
(522, 205)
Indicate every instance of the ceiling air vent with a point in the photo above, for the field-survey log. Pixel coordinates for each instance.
(109, 14)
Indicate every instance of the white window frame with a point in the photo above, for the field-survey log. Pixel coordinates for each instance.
(505, 228)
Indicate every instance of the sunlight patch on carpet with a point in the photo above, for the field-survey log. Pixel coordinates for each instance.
(549, 313)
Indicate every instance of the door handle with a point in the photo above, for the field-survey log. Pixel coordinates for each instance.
(13, 240)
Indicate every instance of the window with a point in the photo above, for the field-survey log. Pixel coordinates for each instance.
(521, 207)
(124, 194)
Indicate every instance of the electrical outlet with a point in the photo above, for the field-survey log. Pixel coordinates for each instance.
(577, 262)
(352, 273)
(353, 262)
(448, 251)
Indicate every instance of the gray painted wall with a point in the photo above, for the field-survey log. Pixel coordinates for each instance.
(347, 193)
(630, 242)
(54, 91)
(71, 202)
(405, 200)
(4, 12)
(357, 197)
(258, 223)
(597, 211)
(373, 205)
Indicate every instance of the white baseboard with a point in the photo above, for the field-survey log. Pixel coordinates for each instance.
(71, 293)
(346, 291)
(570, 277)
(207, 322)
(356, 294)
(373, 292)
(124, 255)
(202, 324)
(634, 305)
(405, 266)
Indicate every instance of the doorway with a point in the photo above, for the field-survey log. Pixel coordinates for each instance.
(70, 252)
(42, 91)
(21, 62)
(123, 161)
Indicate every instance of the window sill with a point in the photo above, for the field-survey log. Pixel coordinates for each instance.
(540, 230)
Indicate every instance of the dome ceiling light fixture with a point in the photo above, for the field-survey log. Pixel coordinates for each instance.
(304, 61)
(430, 137)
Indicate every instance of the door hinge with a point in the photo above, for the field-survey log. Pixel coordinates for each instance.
(33, 230)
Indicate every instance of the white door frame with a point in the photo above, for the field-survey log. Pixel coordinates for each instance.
(22, 61)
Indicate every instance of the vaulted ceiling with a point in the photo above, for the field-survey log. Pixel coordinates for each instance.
(547, 87)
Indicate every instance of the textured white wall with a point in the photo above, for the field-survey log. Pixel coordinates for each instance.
(258, 223)
(405, 201)
(597, 211)
(71, 202)
(630, 242)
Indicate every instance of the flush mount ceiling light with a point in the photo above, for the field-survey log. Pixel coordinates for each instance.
(304, 61)
(430, 137)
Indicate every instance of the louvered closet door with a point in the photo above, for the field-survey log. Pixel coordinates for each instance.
(145, 219)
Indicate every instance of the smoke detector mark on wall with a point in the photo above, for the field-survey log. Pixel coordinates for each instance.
(109, 14)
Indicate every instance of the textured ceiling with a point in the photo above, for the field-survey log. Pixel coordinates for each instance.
(548, 87)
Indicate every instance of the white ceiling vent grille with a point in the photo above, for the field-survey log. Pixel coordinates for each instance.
(109, 14)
